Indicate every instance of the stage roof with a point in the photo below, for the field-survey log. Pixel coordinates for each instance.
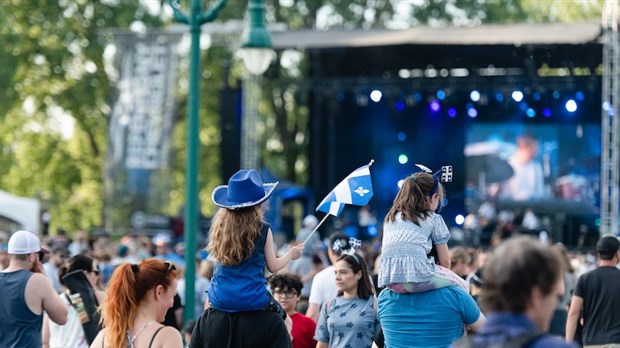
(492, 34)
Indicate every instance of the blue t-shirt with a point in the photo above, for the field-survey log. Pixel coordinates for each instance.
(432, 319)
(347, 322)
(242, 287)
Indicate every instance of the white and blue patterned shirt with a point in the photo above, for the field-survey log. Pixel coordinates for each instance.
(405, 247)
(347, 323)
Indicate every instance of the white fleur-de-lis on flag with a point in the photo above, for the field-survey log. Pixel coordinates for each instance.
(361, 191)
(355, 189)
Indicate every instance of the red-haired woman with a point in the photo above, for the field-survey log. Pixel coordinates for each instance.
(138, 297)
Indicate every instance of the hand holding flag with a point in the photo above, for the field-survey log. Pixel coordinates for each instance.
(355, 189)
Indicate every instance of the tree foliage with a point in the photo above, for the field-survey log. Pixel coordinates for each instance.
(52, 76)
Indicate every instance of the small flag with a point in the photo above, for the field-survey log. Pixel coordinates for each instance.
(446, 174)
(355, 189)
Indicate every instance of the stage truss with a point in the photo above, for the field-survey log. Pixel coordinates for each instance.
(609, 121)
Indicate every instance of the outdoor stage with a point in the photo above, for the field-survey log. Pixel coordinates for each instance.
(427, 95)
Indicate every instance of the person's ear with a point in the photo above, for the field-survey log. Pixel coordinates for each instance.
(358, 276)
(159, 291)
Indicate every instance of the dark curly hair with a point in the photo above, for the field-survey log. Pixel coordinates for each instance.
(286, 281)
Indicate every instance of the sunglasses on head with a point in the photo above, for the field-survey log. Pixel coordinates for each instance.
(169, 267)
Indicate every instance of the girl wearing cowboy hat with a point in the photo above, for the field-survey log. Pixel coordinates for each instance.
(241, 242)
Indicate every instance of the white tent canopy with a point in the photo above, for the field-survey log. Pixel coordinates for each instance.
(24, 211)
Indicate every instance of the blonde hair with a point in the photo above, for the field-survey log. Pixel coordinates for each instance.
(232, 234)
(412, 201)
(206, 268)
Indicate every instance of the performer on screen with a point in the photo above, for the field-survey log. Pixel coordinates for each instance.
(527, 182)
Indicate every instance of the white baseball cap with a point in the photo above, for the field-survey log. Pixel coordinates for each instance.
(24, 242)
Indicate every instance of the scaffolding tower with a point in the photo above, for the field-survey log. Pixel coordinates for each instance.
(609, 122)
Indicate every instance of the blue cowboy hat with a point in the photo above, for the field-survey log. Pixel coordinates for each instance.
(245, 189)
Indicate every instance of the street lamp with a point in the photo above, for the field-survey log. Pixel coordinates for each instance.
(195, 19)
(256, 62)
(255, 40)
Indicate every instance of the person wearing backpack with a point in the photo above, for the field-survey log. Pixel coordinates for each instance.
(522, 284)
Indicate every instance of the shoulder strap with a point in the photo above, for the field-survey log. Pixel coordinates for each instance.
(155, 334)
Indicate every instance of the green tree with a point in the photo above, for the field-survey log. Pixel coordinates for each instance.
(52, 74)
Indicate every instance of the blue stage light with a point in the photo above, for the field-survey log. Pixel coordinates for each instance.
(530, 112)
(400, 105)
(571, 105)
(472, 112)
(499, 96)
(546, 112)
(435, 106)
(556, 94)
(401, 136)
(536, 96)
(403, 159)
(441, 95)
(580, 96)
(452, 112)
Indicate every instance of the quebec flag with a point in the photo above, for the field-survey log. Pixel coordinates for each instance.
(355, 189)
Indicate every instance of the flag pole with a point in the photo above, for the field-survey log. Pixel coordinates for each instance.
(316, 228)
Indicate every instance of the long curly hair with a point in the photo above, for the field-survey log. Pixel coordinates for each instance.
(232, 234)
(413, 200)
(127, 289)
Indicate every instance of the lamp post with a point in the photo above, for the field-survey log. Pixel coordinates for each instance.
(257, 54)
(256, 40)
(195, 19)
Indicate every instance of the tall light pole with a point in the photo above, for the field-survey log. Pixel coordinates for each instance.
(195, 19)
(256, 35)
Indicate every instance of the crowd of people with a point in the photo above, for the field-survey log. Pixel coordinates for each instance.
(407, 289)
